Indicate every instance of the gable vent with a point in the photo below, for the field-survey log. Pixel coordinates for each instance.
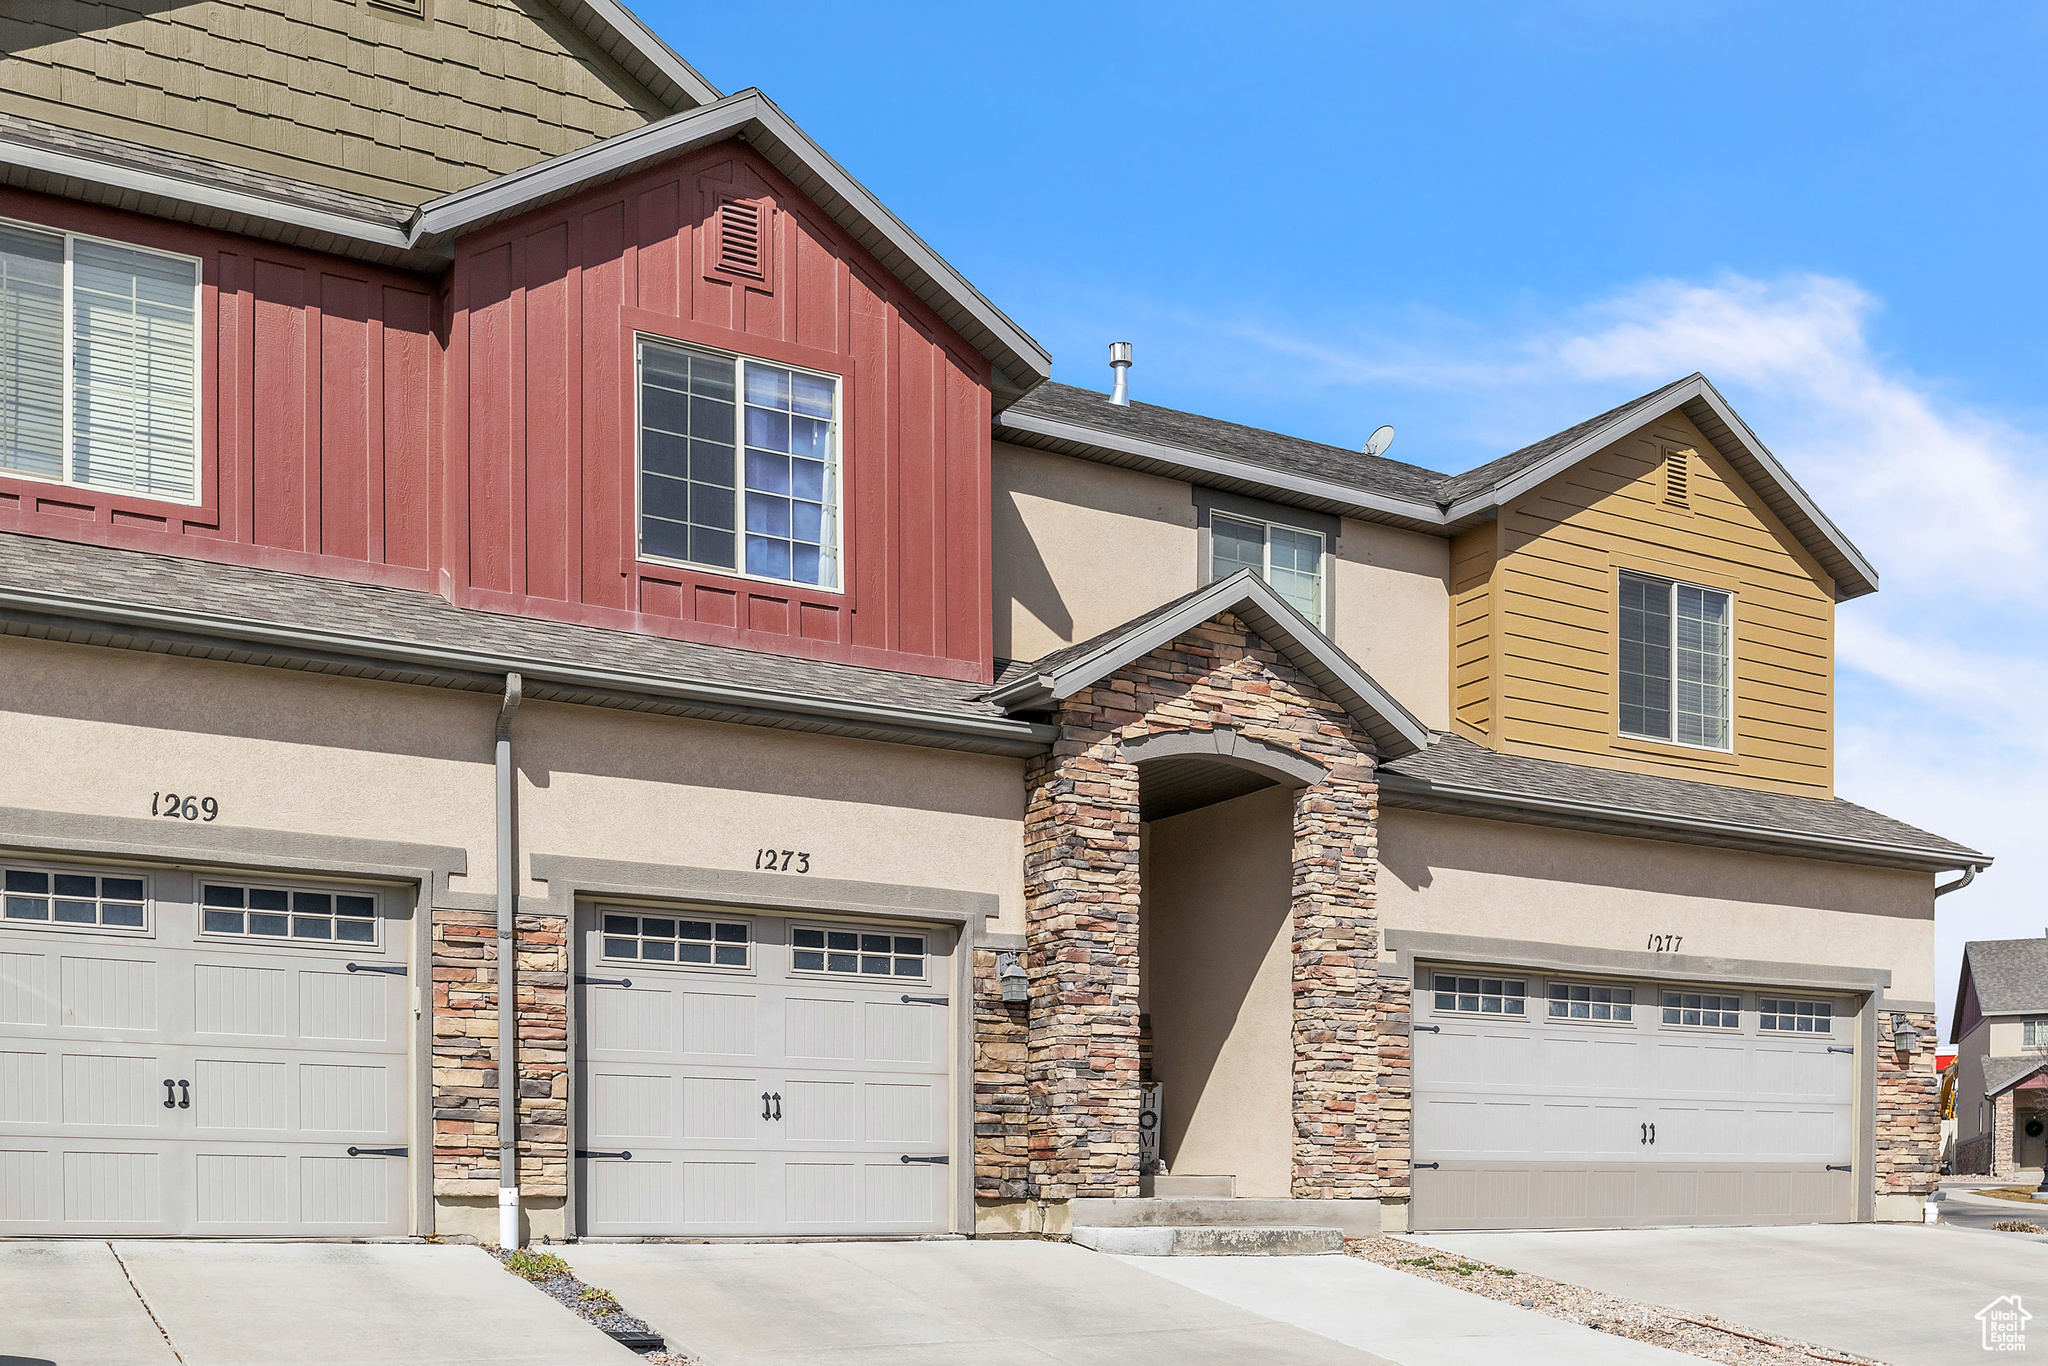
(1677, 477)
(740, 247)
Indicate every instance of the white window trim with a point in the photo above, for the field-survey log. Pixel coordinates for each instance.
(1835, 1013)
(1635, 1003)
(198, 368)
(1266, 567)
(2038, 1024)
(1718, 994)
(739, 464)
(147, 930)
(855, 927)
(1672, 680)
(377, 945)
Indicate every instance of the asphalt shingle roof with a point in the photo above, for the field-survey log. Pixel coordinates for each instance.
(1455, 762)
(268, 597)
(2009, 974)
(1999, 1073)
(1460, 486)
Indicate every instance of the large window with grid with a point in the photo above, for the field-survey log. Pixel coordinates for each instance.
(739, 465)
(296, 913)
(1676, 661)
(678, 939)
(1289, 559)
(857, 953)
(99, 364)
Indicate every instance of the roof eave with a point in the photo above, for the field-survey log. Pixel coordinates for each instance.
(160, 630)
(624, 37)
(1071, 438)
(1425, 794)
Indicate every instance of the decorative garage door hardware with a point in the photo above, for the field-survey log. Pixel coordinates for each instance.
(583, 981)
(395, 969)
(1427, 1029)
(376, 1152)
(778, 1105)
(169, 1103)
(934, 1161)
(1839, 1048)
(927, 1000)
(622, 1156)
(1423, 1166)
(1649, 1133)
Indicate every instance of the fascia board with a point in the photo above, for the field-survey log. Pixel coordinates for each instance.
(535, 669)
(752, 113)
(1225, 595)
(606, 19)
(1222, 467)
(178, 191)
(1932, 860)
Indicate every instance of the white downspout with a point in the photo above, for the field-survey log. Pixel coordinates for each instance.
(508, 985)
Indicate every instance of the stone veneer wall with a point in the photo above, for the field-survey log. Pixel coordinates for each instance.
(465, 1061)
(1069, 1104)
(1908, 1113)
(2004, 1156)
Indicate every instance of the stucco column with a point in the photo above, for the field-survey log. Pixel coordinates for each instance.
(1338, 1144)
(1081, 898)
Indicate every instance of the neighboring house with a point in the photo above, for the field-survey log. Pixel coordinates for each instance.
(2000, 1030)
(486, 518)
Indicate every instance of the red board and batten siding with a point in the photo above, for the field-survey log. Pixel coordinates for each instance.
(474, 435)
(315, 413)
(541, 499)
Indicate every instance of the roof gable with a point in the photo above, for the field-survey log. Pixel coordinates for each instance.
(2010, 976)
(1043, 682)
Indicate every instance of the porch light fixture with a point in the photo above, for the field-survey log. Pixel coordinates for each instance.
(1016, 982)
(1905, 1038)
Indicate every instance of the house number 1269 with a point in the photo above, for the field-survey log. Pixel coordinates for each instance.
(183, 808)
(781, 860)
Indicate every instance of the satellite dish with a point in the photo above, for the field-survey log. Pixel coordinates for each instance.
(1377, 443)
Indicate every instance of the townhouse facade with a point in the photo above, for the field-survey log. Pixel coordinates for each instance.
(2000, 1030)
(567, 674)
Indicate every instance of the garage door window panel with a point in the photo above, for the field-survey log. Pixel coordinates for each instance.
(834, 952)
(688, 941)
(1582, 1001)
(1786, 1016)
(1480, 995)
(289, 914)
(1693, 1009)
(50, 899)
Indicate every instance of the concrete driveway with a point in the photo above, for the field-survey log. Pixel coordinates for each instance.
(280, 1304)
(1903, 1293)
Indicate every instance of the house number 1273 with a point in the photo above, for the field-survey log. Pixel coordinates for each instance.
(782, 860)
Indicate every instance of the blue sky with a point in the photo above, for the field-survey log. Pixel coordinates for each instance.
(1484, 223)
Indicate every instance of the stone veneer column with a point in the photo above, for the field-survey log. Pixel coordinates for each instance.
(1908, 1113)
(1337, 1043)
(1081, 894)
(2004, 1157)
(1002, 1102)
(465, 1064)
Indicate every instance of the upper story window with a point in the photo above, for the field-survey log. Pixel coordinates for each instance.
(739, 465)
(1288, 559)
(1676, 661)
(99, 364)
(2034, 1033)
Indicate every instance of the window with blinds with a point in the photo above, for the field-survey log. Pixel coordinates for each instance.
(99, 364)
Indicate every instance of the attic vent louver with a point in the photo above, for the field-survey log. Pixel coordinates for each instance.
(1677, 477)
(740, 246)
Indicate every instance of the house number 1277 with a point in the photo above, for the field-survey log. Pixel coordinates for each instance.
(781, 860)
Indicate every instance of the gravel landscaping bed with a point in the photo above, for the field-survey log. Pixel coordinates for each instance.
(549, 1274)
(1699, 1335)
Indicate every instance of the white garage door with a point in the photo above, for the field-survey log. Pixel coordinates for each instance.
(767, 1076)
(1548, 1102)
(172, 1067)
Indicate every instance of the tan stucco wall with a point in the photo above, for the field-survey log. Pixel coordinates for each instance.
(97, 731)
(1452, 875)
(2007, 1038)
(1081, 547)
(1392, 613)
(1973, 1117)
(1217, 956)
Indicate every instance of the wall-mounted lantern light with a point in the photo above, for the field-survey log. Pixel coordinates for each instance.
(1016, 982)
(1905, 1038)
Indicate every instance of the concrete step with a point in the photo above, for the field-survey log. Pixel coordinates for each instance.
(1188, 1187)
(1357, 1218)
(1182, 1240)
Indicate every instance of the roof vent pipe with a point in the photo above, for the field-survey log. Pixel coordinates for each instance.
(1120, 361)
